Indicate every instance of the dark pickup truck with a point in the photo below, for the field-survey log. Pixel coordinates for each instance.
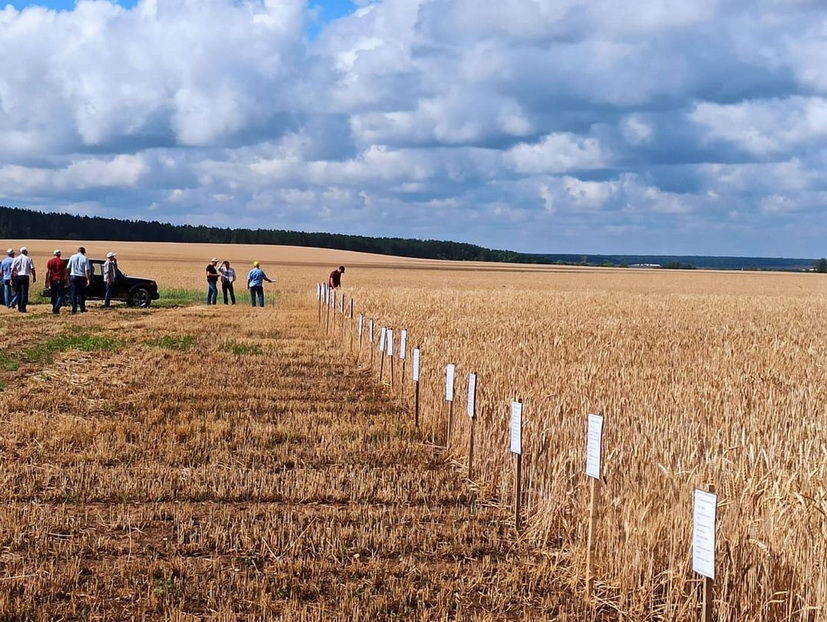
(133, 290)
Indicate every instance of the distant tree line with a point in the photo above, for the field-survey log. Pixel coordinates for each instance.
(820, 265)
(29, 224)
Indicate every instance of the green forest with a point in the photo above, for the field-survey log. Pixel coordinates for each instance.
(29, 224)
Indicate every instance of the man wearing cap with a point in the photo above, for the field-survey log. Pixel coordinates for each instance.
(110, 273)
(335, 278)
(255, 283)
(22, 269)
(56, 278)
(9, 296)
(212, 282)
(80, 277)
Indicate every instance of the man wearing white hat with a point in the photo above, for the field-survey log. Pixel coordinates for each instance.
(9, 297)
(22, 269)
(110, 272)
(212, 282)
(56, 278)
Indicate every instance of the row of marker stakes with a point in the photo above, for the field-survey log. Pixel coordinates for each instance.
(705, 501)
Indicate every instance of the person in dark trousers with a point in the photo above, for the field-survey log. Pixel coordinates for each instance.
(335, 278)
(227, 280)
(255, 283)
(212, 282)
(56, 277)
(110, 273)
(22, 269)
(80, 277)
(9, 294)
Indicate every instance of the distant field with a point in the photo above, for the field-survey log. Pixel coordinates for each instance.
(703, 377)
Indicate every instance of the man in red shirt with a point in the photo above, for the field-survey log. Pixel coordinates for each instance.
(56, 277)
(335, 278)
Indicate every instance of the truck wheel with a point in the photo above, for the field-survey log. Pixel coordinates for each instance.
(139, 298)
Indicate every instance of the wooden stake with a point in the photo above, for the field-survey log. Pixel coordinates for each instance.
(327, 320)
(450, 423)
(708, 593)
(381, 365)
(416, 403)
(391, 358)
(594, 493)
(471, 449)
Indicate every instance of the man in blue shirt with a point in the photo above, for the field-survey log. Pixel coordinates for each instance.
(80, 277)
(9, 296)
(255, 282)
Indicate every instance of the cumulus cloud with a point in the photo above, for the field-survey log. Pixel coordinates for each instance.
(663, 125)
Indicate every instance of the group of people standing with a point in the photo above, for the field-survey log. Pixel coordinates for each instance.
(19, 273)
(255, 282)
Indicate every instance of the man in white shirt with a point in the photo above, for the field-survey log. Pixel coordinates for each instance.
(110, 274)
(22, 268)
(80, 277)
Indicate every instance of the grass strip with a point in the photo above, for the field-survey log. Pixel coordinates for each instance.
(44, 352)
(241, 349)
(169, 342)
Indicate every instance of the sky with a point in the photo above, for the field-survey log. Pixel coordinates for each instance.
(560, 126)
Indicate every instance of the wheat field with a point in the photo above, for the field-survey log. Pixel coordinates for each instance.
(226, 463)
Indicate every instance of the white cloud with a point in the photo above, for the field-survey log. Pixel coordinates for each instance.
(557, 153)
(520, 122)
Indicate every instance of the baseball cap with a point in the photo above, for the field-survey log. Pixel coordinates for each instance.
(213, 259)
(110, 255)
(256, 264)
(23, 249)
(9, 251)
(56, 252)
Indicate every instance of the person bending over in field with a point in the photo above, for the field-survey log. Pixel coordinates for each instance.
(227, 280)
(212, 282)
(335, 278)
(255, 283)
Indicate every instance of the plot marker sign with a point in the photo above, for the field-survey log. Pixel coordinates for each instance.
(516, 427)
(594, 445)
(449, 382)
(472, 395)
(415, 365)
(703, 533)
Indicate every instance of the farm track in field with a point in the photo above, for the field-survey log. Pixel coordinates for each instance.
(227, 463)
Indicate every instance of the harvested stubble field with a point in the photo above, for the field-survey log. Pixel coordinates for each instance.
(229, 462)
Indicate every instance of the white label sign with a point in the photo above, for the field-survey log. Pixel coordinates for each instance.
(594, 445)
(382, 334)
(449, 382)
(326, 295)
(389, 342)
(703, 533)
(319, 291)
(517, 427)
(403, 343)
(342, 306)
(370, 331)
(472, 395)
(333, 299)
(359, 321)
(415, 365)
